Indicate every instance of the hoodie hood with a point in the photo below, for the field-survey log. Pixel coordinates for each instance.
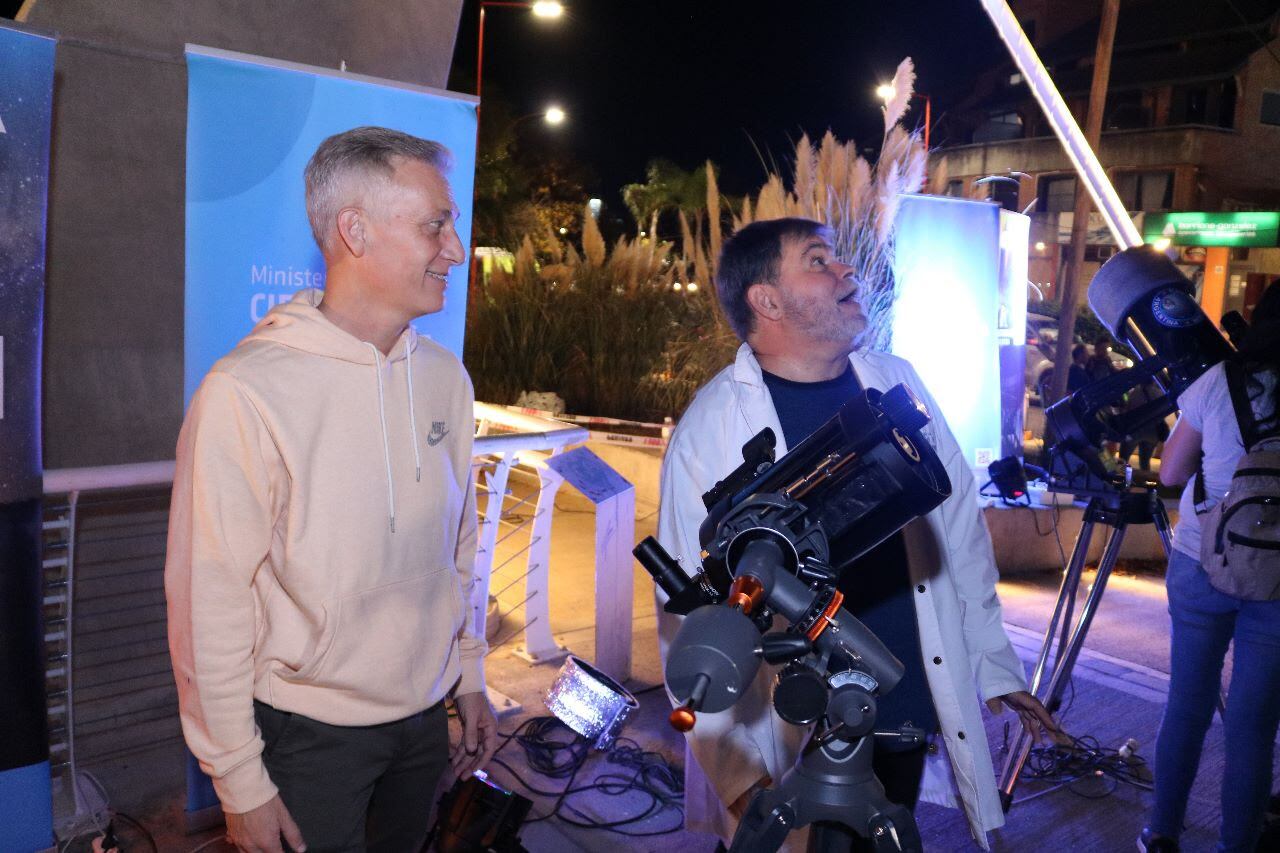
(299, 324)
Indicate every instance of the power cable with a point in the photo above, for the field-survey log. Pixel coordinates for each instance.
(551, 755)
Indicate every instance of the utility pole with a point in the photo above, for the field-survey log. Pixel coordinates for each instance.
(1080, 221)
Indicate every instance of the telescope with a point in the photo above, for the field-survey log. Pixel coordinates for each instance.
(1147, 303)
(1144, 301)
(768, 542)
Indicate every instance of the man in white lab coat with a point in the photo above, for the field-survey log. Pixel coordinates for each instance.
(929, 592)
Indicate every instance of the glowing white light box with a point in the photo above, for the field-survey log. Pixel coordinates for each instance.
(960, 317)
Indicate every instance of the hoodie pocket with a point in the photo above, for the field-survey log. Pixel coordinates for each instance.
(390, 645)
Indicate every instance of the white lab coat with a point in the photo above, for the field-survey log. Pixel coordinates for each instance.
(950, 559)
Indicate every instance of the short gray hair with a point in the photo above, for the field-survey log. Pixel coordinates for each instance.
(367, 154)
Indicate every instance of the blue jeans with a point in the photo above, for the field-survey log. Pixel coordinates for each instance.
(1204, 622)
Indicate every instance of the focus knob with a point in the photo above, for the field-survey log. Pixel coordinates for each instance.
(904, 409)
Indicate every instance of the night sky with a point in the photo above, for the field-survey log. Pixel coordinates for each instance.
(695, 79)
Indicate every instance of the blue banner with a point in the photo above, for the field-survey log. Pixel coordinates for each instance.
(26, 111)
(252, 125)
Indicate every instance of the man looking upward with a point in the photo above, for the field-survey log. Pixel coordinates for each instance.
(928, 592)
(323, 530)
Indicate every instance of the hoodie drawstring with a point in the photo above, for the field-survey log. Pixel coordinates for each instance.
(386, 446)
(413, 421)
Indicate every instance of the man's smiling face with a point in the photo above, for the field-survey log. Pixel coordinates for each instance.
(411, 241)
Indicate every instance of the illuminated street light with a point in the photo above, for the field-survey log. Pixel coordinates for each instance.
(554, 115)
(886, 92)
(547, 9)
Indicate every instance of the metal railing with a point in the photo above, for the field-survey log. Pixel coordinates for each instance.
(124, 622)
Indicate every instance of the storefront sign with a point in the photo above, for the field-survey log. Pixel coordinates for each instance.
(1243, 228)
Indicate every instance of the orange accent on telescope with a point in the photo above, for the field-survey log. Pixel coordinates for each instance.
(682, 719)
(747, 594)
(820, 625)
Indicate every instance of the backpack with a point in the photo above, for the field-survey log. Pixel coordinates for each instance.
(1240, 535)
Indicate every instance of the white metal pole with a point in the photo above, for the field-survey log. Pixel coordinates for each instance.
(1064, 124)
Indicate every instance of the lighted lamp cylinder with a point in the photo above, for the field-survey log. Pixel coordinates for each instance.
(1064, 124)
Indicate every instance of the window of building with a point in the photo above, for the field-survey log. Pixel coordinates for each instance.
(955, 188)
(999, 126)
(1098, 254)
(1127, 111)
(1270, 108)
(1056, 194)
(1212, 103)
(1145, 190)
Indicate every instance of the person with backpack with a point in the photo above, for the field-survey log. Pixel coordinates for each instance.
(1223, 583)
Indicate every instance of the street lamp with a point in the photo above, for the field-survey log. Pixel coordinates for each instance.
(886, 92)
(552, 115)
(545, 9)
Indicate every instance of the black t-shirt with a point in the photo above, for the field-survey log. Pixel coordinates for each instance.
(876, 586)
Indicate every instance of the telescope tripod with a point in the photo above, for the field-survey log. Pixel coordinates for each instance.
(1118, 511)
(833, 787)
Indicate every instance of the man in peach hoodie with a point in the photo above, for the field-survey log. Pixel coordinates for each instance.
(323, 530)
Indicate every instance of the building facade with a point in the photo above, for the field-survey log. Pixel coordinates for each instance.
(1192, 123)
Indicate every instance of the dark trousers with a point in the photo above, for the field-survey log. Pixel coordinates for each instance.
(357, 788)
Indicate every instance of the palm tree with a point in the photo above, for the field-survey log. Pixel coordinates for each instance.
(668, 189)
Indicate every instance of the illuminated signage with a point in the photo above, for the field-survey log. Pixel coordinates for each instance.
(1243, 228)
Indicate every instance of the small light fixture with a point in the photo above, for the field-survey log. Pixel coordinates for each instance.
(692, 287)
(886, 92)
(554, 115)
(563, 230)
(677, 286)
(1162, 244)
(590, 702)
(547, 9)
(1039, 245)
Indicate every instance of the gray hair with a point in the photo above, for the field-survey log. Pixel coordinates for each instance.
(365, 154)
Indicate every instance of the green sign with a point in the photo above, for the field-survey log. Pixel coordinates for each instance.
(1245, 228)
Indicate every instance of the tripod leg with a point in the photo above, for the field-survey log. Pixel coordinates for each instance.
(1066, 601)
(1161, 519)
(828, 837)
(1063, 610)
(894, 830)
(1062, 674)
(1065, 662)
(765, 824)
